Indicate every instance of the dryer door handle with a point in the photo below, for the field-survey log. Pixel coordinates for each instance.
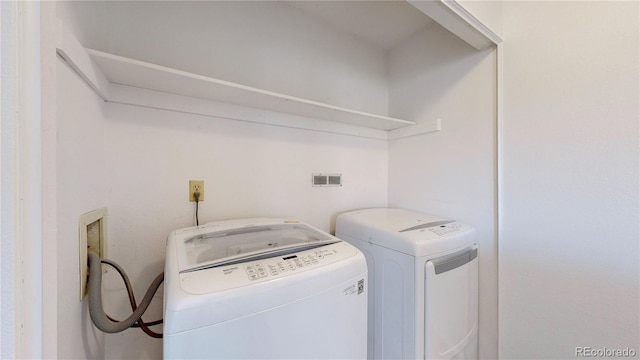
(455, 260)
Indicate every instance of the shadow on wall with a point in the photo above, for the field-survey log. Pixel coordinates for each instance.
(92, 338)
(425, 68)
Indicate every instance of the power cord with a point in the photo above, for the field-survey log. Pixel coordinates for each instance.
(196, 195)
(105, 322)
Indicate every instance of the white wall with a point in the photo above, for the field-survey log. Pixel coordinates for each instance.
(489, 13)
(449, 173)
(249, 170)
(9, 253)
(264, 44)
(569, 265)
(86, 20)
(81, 188)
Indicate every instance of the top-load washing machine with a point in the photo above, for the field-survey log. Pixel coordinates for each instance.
(263, 289)
(423, 276)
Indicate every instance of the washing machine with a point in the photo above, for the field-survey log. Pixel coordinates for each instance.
(423, 276)
(263, 289)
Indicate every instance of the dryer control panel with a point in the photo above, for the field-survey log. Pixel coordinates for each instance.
(445, 229)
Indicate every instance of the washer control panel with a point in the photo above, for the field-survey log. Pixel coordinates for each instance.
(286, 264)
(257, 271)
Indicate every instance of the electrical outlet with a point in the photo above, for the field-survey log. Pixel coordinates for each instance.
(196, 185)
(93, 237)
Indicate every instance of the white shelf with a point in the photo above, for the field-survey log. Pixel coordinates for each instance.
(122, 80)
(125, 71)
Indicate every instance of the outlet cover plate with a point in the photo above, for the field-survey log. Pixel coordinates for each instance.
(196, 185)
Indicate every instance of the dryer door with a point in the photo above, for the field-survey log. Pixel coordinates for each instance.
(451, 306)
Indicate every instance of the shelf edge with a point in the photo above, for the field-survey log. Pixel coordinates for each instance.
(473, 21)
(455, 18)
(120, 61)
(133, 96)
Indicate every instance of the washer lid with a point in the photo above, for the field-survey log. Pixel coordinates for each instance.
(238, 244)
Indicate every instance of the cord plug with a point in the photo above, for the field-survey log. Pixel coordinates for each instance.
(196, 195)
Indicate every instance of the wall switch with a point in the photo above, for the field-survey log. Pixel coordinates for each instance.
(196, 185)
(93, 237)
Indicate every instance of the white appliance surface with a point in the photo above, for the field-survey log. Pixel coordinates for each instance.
(263, 289)
(423, 288)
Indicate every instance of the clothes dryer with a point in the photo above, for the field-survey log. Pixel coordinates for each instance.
(263, 289)
(423, 292)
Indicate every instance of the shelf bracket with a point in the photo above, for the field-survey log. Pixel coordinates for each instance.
(75, 55)
(413, 130)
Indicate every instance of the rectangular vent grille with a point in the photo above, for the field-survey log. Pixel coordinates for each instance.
(327, 179)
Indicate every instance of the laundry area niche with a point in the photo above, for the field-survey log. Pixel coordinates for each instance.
(253, 98)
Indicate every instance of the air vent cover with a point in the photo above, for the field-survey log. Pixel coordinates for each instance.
(321, 179)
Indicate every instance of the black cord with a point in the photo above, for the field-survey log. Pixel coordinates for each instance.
(196, 196)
